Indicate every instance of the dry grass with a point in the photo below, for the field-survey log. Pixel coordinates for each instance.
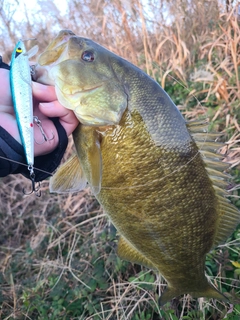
(44, 236)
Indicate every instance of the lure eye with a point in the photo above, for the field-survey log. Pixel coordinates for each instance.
(18, 52)
(88, 56)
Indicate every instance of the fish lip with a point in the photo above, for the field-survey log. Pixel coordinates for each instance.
(112, 120)
(41, 74)
(96, 122)
(92, 89)
(89, 119)
(79, 91)
(89, 89)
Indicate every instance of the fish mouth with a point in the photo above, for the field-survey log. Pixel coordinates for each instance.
(89, 120)
(92, 88)
(94, 121)
(67, 88)
(79, 91)
(41, 74)
(87, 114)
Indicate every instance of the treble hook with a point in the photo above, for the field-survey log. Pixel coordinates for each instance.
(33, 69)
(37, 190)
(39, 124)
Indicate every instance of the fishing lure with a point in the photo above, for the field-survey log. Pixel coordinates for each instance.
(21, 89)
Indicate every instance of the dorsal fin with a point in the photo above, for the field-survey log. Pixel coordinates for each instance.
(205, 140)
(228, 214)
(196, 126)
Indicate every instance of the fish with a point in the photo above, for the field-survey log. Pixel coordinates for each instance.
(157, 176)
(21, 90)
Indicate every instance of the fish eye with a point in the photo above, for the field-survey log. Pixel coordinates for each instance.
(88, 56)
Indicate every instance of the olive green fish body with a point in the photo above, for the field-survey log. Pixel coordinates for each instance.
(139, 183)
(156, 176)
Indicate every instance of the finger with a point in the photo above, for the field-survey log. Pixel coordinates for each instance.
(7, 109)
(43, 93)
(66, 117)
(53, 109)
(8, 122)
(5, 93)
(41, 145)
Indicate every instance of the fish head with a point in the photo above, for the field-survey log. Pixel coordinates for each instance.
(85, 81)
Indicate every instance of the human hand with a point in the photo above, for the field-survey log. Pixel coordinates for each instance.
(45, 105)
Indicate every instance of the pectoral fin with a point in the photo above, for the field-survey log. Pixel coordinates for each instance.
(87, 144)
(69, 177)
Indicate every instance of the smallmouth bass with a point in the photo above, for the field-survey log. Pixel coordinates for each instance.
(143, 163)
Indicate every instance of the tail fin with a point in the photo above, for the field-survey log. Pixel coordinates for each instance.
(208, 292)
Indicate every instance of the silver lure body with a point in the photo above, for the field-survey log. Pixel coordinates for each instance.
(21, 88)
